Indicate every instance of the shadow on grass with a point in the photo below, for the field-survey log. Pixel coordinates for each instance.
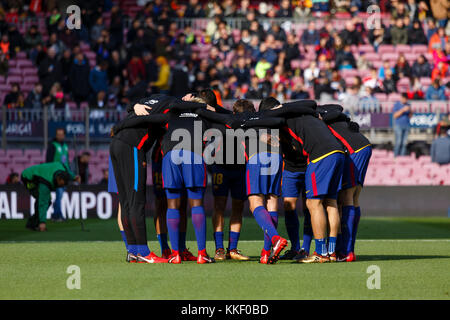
(383, 257)
(392, 257)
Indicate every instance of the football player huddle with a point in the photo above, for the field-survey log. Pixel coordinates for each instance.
(291, 150)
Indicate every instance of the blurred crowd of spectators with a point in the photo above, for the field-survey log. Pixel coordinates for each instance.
(154, 55)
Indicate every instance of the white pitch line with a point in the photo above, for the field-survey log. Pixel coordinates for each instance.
(378, 240)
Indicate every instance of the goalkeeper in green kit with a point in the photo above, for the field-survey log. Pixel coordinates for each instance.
(40, 180)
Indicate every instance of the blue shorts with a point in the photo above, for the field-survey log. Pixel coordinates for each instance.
(227, 180)
(263, 174)
(183, 169)
(292, 184)
(112, 185)
(323, 178)
(191, 193)
(355, 168)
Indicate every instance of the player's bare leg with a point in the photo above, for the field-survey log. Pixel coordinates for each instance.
(119, 218)
(290, 206)
(186, 255)
(357, 217)
(161, 225)
(173, 224)
(262, 216)
(130, 257)
(347, 201)
(272, 203)
(199, 222)
(237, 207)
(319, 226)
(333, 223)
(218, 225)
(160, 217)
(356, 194)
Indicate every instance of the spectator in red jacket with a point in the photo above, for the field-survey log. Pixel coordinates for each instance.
(135, 67)
(5, 46)
(439, 71)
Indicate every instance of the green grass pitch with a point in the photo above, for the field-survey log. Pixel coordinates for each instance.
(413, 255)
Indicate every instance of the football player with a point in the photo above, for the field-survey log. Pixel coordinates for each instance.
(263, 167)
(226, 178)
(322, 180)
(357, 158)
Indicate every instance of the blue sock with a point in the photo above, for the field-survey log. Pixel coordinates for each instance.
(233, 240)
(321, 246)
(162, 239)
(307, 232)
(124, 238)
(199, 222)
(132, 248)
(274, 217)
(173, 226)
(218, 238)
(348, 216)
(267, 240)
(182, 241)
(331, 245)
(355, 227)
(264, 220)
(143, 249)
(292, 227)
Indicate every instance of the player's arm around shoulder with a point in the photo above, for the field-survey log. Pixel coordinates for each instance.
(293, 109)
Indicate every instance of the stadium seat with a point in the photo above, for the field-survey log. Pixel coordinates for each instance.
(305, 64)
(13, 79)
(429, 57)
(21, 55)
(5, 88)
(386, 48)
(391, 56)
(403, 85)
(387, 106)
(411, 57)
(424, 159)
(296, 64)
(425, 82)
(366, 48)
(349, 73)
(24, 63)
(402, 48)
(419, 106)
(394, 97)
(402, 172)
(14, 71)
(29, 71)
(377, 64)
(31, 79)
(404, 160)
(419, 49)
(4, 173)
(441, 106)
(381, 96)
(372, 56)
(21, 160)
(72, 105)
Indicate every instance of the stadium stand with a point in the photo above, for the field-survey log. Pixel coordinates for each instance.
(322, 50)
